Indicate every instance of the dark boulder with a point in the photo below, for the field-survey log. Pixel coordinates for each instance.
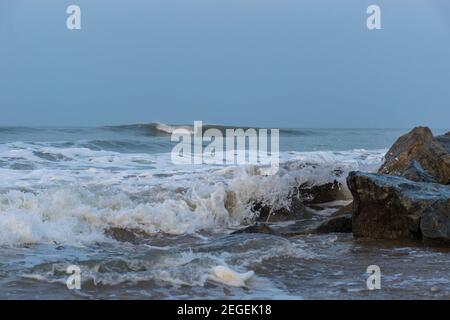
(345, 210)
(133, 236)
(302, 198)
(328, 192)
(341, 223)
(296, 211)
(444, 140)
(421, 146)
(415, 172)
(389, 207)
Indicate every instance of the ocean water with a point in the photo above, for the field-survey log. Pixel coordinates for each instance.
(110, 201)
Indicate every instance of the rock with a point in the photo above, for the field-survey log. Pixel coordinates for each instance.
(125, 235)
(327, 192)
(296, 211)
(348, 209)
(444, 140)
(341, 223)
(415, 172)
(256, 228)
(389, 207)
(302, 198)
(419, 145)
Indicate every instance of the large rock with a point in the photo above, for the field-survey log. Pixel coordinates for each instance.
(444, 140)
(341, 223)
(421, 146)
(415, 172)
(296, 211)
(345, 210)
(328, 192)
(303, 198)
(389, 207)
(133, 236)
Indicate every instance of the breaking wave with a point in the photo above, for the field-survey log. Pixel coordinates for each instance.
(75, 195)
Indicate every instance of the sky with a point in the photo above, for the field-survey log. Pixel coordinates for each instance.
(266, 63)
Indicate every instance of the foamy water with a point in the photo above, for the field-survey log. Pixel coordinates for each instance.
(72, 195)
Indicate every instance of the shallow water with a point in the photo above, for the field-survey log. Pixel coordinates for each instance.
(67, 193)
(304, 267)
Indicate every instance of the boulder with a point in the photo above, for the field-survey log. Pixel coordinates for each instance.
(345, 210)
(444, 140)
(296, 211)
(341, 223)
(133, 236)
(415, 172)
(302, 199)
(390, 207)
(328, 192)
(421, 146)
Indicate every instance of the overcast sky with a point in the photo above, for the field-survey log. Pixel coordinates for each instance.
(273, 63)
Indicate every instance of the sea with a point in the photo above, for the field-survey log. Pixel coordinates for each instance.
(109, 203)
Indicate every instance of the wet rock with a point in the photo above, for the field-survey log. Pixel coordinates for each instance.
(345, 210)
(327, 192)
(296, 211)
(341, 224)
(415, 172)
(444, 140)
(256, 228)
(303, 198)
(340, 221)
(300, 227)
(389, 207)
(421, 146)
(125, 235)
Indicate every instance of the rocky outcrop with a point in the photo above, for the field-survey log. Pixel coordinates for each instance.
(302, 199)
(133, 236)
(419, 145)
(345, 210)
(341, 224)
(389, 207)
(328, 192)
(415, 172)
(340, 221)
(444, 140)
(296, 211)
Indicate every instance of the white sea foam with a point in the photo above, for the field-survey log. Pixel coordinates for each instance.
(72, 195)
